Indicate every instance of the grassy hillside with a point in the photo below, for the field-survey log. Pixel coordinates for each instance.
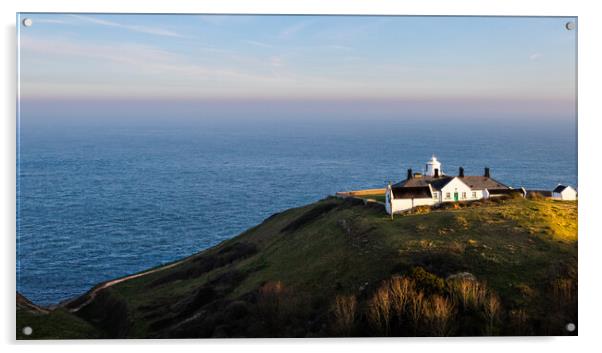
(339, 267)
(49, 324)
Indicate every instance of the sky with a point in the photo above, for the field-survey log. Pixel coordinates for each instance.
(416, 65)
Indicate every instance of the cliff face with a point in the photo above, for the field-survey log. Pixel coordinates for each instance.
(330, 268)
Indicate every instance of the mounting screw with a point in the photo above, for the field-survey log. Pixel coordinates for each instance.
(27, 22)
(570, 25)
(27, 331)
(570, 327)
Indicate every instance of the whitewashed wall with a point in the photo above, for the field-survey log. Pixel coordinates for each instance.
(568, 194)
(400, 205)
(478, 194)
(456, 185)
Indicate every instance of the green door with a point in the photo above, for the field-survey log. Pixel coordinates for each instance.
(455, 196)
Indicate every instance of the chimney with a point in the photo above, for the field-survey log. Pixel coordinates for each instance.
(487, 174)
(461, 172)
(410, 175)
(436, 172)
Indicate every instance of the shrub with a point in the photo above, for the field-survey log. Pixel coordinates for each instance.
(439, 312)
(416, 308)
(345, 309)
(470, 293)
(379, 310)
(426, 281)
(269, 301)
(516, 196)
(491, 309)
(402, 288)
(535, 196)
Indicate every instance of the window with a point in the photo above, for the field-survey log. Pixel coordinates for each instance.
(435, 195)
(474, 194)
(447, 195)
(463, 196)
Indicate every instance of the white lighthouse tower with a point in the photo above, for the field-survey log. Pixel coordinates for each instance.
(433, 167)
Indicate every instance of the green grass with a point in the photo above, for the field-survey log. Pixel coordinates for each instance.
(58, 324)
(377, 197)
(336, 247)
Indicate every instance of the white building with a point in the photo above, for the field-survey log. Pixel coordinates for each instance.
(564, 192)
(433, 167)
(434, 187)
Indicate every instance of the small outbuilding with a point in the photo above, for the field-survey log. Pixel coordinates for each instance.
(564, 192)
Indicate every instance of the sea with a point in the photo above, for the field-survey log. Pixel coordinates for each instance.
(100, 201)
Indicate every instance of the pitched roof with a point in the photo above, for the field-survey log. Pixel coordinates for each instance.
(474, 182)
(414, 192)
(439, 183)
(477, 182)
(436, 183)
(560, 188)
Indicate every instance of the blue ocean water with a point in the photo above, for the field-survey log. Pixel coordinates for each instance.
(98, 201)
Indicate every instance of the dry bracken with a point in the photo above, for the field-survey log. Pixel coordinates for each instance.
(379, 309)
(345, 312)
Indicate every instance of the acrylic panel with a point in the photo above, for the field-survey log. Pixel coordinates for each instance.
(198, 176)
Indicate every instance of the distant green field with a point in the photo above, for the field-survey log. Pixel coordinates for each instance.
(377, 197)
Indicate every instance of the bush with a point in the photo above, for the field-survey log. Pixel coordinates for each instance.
(516, 195)
(491, 309)
(416, 308)
(428, 282)
(379, 310)
(438, 312)
(402, 288)
(345, 312)
(535, 196)
(424, 304)
(470, 293)
(269, 302)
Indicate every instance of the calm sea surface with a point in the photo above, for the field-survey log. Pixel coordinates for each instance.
(101, 201)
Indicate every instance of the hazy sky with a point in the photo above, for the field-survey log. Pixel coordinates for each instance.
(475, 60)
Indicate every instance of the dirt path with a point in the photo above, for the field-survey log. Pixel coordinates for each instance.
(92, 293)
